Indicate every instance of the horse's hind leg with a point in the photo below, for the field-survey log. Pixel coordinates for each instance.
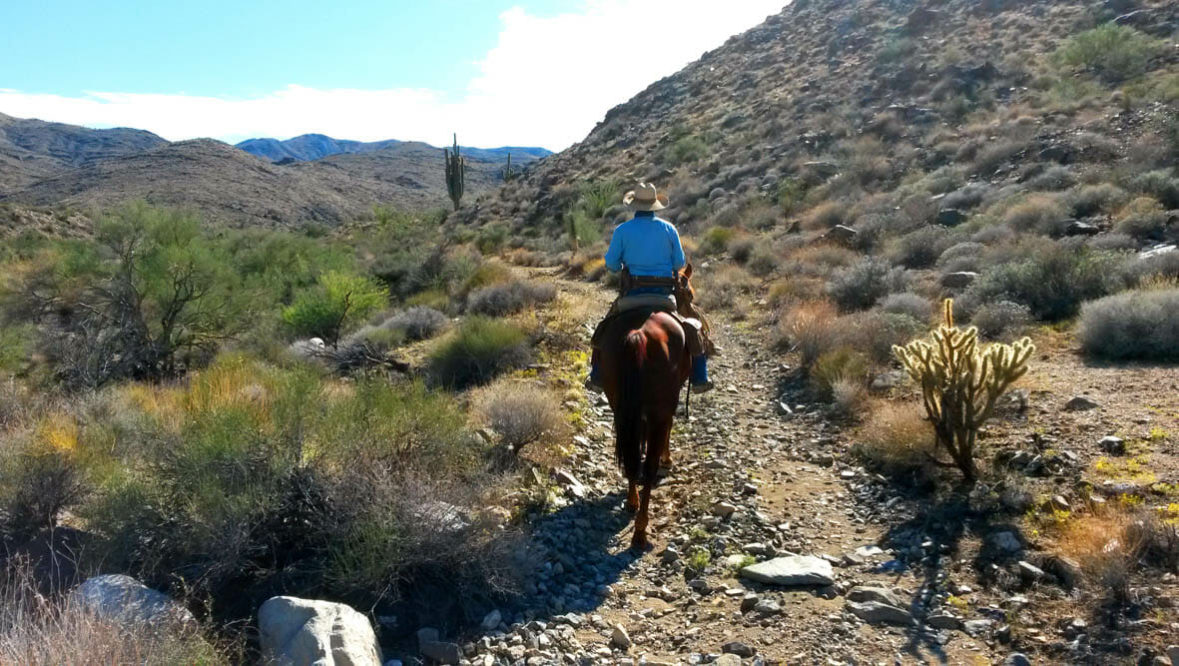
(657, 436)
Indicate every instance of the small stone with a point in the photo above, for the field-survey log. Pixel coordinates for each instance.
(727, 660)
(943, 621)
(723, 509)
(842, 234)
(1114, 446)
(749, 602)
(491, 620)
(1080, 404)
(959, 279)
(1060, 503)
(875, 612)
(1030, 572)
(619, 638)
(794, 570)
(1173, 653)
(740, 649)
(767, 607)
(1005, 542)
(1017, 659)
(976, 628)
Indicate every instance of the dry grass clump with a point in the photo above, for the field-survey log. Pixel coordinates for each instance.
(1142, 218)
(843, 367)
(1110, 546)
(520, 413)
(809, 328)
(826, 215)
(721, 288)
(896, 438)
(1038, 213)
(509, 298)
(417, 323)
(40, 631)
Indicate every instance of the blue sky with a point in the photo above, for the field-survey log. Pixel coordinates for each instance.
(523, 72)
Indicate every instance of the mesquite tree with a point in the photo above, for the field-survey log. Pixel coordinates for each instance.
(455, 173)
(960, 383)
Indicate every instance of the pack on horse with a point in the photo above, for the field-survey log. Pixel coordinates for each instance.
(650, 343)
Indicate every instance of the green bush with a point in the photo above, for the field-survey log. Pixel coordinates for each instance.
(336, 303)
(1140, 325)
(1052, 282)
(477, 352)
(841, 364)
(1112, 51)
(861, 285)
(686, 150)
(717, 240)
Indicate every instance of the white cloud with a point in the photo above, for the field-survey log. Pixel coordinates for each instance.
(547, 82)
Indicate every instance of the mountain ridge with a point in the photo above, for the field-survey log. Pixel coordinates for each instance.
(314, 146)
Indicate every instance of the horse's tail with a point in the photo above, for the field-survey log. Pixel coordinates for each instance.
(628, 413)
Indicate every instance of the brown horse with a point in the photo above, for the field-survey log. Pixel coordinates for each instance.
(644, 365)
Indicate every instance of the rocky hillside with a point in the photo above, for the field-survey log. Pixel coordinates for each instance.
(234, 187)
(861, 97)
(34, 149)
(309, 147)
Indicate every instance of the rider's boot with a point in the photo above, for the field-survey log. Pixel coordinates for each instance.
(700, 381)
(594, 381)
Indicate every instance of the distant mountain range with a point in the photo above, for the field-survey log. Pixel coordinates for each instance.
(309, 147)
(311, 178)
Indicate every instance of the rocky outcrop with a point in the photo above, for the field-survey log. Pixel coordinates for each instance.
(126, 600)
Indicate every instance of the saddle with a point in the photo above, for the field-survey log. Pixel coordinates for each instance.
(631, 310)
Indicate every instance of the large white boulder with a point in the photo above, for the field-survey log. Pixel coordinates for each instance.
(126, 600)
(791, 571)
(306, 632)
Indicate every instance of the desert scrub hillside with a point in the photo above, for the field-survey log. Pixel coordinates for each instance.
(839, 170)
(232, 415)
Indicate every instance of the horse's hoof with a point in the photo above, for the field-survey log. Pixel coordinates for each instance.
(639, 544)
(665, 469)
(632, 508)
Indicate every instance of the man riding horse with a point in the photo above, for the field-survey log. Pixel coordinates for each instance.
(647, 251)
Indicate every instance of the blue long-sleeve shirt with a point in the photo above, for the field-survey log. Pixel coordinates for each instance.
(647, 246)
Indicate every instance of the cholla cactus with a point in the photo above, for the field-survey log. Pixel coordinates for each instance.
(456, 171)
(960, 382)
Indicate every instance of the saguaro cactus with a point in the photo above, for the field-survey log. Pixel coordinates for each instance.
(507, 172)
(455, 173)
(960, 383)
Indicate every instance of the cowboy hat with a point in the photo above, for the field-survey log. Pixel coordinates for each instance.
(645, 197)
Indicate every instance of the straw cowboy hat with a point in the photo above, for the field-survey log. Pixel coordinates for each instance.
(645, 197)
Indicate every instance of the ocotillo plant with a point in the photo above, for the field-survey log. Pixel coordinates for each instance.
(960, 383)
(507, 171)
(456, 169)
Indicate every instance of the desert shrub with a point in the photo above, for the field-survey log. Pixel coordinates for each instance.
(717, 240)
(1140, 324)
(1052, 282)
(914, 305)
(966, 256)
(827, 215)
(728, 215)
(477, 352)
(860, 285)
(687, 149)
(16, 345)
(417, 323)
(1053, 179)
(1038, 213)
(741, 249)
(492, 237)
(1112, 51)
(1094, 199)
(791, 194)
(848, 397)
(37, 483)
(761, 216)
(874, 333)
(1001, 320)
(510, 298)
(1112, 242)
(839, 364)
(920, 248)
(994, 155)
(722, 287)
(149, 296)
(809, 328)
(763, 262)
(1160, 266)
(1161, 185)
(968, 196)
(520, 414)
(896, 438)
(337, 302)
(1142, 218)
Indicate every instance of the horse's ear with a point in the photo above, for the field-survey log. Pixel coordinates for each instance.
(688, 270)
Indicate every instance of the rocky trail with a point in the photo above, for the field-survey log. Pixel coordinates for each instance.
(757, 478)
